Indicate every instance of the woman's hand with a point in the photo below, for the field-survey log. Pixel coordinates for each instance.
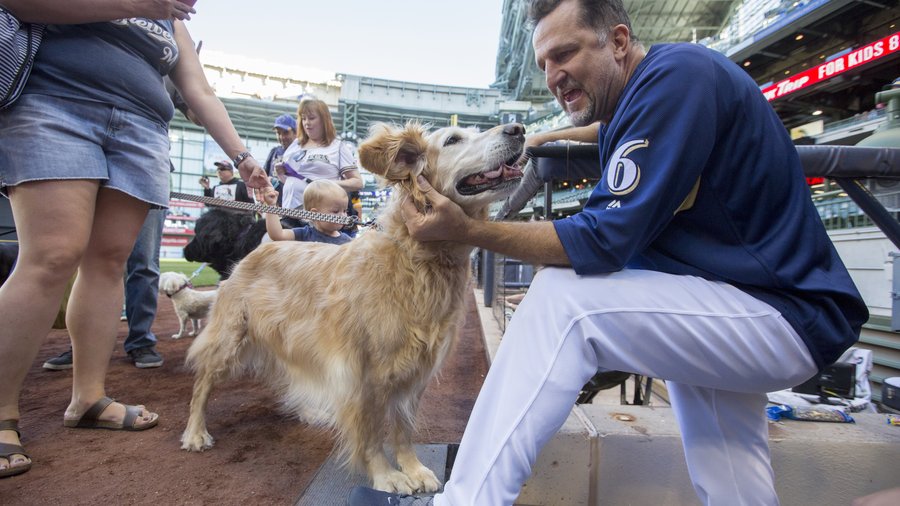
(164, 9)
(253, 174)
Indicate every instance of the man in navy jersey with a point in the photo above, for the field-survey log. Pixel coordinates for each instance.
(699, 259)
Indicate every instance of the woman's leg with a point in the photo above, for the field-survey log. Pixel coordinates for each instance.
(96, 301)
(53, 222)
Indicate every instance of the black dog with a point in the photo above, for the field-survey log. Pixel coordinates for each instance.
(9, 251)
(222, 238)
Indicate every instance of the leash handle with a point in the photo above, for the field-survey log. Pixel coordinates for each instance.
(260, 208)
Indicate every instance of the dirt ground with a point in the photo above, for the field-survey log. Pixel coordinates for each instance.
(262, 456)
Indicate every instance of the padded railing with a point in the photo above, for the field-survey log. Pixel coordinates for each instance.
(846, 165)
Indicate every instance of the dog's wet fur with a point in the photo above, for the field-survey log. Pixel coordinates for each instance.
(351, 335)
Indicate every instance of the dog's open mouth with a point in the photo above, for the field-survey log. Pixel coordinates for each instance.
(506, 174)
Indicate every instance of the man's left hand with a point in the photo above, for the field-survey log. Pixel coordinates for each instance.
(442, 220)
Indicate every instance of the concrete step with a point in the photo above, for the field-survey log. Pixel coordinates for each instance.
(632, 455)
(612, 454)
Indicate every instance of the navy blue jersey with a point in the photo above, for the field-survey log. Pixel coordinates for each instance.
(699, 177)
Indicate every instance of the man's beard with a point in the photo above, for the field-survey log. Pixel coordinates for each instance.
(578, 118)
(584, 116)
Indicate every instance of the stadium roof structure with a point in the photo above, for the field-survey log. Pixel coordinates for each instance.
(653, 21)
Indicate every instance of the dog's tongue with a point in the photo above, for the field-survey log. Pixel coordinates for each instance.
(511, 170)
(494, 173)
(500, 171)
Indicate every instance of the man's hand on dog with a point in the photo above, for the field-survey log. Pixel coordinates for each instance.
(443, 220)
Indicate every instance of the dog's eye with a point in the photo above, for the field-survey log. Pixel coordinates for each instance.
(453, 139)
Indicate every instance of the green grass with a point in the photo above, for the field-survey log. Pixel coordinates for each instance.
(207, 276)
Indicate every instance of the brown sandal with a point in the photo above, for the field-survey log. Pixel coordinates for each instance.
(90, 418)
(7, 450)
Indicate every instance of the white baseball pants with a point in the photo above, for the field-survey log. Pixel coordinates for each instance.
(719, 349)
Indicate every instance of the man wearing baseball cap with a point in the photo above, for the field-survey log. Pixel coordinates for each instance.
(229, 187)
(286, 129)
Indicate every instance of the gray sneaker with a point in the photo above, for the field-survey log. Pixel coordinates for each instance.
(365, 496)
(145, 358)
(61, 362)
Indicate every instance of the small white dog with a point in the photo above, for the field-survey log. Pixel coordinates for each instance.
(190, 305)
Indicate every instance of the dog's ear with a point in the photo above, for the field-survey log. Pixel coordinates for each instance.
(394, 153)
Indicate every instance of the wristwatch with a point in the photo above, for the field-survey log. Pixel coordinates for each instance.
(240, 158)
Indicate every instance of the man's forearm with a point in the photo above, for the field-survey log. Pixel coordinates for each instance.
(531, 242)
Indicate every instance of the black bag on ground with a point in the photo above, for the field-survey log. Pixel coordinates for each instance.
(19, 43)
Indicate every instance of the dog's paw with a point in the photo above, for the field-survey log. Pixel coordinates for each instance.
(424, 480)
(394, 481)
(177, 336)
(196, 442)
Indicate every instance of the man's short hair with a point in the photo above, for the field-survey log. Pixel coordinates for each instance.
(599, 15)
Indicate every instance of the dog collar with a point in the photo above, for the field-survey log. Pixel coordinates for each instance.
(186, 285)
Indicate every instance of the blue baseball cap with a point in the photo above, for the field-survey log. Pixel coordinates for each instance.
(286, 121)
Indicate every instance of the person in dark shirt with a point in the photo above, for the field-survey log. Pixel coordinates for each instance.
(286, 129)
(229, 187)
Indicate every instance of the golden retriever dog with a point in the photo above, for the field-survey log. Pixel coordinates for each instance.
(190, 305)
(351, 335)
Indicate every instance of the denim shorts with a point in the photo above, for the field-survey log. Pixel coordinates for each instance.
(54, 138)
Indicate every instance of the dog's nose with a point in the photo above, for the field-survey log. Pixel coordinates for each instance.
(514, 129)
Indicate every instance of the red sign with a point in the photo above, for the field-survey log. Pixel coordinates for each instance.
(178, 230)
(866, 54)
(179, 242)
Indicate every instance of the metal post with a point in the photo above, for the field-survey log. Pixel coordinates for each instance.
(487, 268)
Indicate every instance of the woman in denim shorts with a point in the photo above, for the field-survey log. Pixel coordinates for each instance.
(84, 156)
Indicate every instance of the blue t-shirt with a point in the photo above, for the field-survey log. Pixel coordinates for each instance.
(699, 177)
(310, 233)
(120, 63)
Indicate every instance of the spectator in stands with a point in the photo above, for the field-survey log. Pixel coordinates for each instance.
(229, 187)
(321, 196)
(699, 258)
(316, 154)
(87, 215)
(286, 130)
